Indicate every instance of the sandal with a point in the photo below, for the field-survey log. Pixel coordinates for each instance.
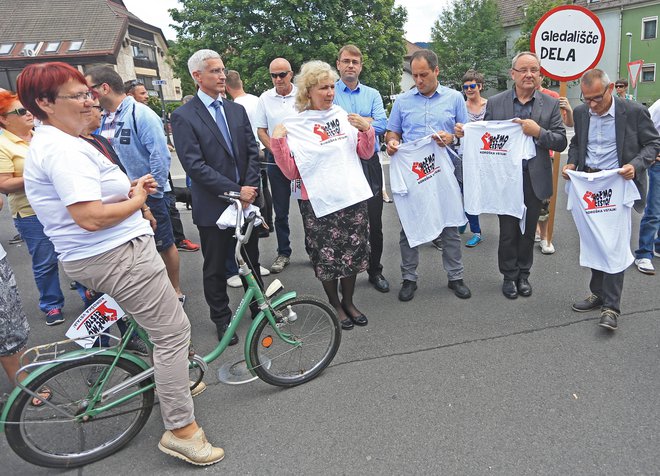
(45, 393)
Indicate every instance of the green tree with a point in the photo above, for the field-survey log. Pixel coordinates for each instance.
(249, 34)
(468, 34)
(534, 10)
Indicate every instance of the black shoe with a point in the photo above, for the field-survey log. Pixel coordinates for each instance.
(407, 291)
(221, 334)
(346, 324)
(608, 319)
(509, 289)
(524, 288)
(589, 304)
(359, 320)
(380, 283)
(460, 289)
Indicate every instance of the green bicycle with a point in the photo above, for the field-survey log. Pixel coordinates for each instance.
(100, 398)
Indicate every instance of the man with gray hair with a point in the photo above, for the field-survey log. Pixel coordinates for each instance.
(610, 133)
(216, 146)
(539, 117)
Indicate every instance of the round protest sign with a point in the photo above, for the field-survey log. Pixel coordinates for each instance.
(569, 40)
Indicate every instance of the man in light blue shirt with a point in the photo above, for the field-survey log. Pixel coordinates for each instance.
(428, 108)
(356, 98)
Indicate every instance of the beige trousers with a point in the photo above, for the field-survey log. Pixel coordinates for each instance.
(134, 275)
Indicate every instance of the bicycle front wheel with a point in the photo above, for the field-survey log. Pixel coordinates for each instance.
(47, 437)
(313, 324)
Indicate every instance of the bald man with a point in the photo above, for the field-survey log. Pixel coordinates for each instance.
(274, 106)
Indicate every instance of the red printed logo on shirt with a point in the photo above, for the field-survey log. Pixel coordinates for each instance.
(597, 202)
(329, 132)
(425, 169)
(494, 143)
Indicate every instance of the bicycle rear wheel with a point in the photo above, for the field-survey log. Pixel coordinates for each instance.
(316, 330)
(43, 436)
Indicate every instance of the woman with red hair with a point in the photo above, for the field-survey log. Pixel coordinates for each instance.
(16, 123)
(92, 214)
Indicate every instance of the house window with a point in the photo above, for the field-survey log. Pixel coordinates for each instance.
(144, 52)
(75, 45)
(5, 48)
(52, 47)
(648, 73)
(30, 49)
(649, 28)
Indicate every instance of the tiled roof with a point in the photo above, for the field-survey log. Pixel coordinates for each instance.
(93, 21)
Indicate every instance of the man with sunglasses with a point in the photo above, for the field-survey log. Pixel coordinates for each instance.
(274, 106)
(610, 133)
(539, 117)
(358, 99)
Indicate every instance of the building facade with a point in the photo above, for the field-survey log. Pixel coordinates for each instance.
(84, 33)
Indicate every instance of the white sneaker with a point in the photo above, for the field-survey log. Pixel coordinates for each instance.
(547, 248)
(645, 266)
(537, 238)
(234, 281)
(656, 254)
(264, 271)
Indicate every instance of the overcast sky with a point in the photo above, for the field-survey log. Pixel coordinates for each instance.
(421, 15)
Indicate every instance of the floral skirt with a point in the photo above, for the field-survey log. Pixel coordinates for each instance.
(338, 243)
(14, 326)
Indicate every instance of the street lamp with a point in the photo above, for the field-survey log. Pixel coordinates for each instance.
(629, 35)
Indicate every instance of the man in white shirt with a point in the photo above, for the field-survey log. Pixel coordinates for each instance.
(610, 133)
(275, 105)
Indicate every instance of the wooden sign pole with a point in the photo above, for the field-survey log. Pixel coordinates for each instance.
(555, 176)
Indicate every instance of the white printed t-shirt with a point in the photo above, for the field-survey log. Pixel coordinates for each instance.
(493, 153)
(601, 203)
(61, 170)
(324, 144)
(425, 190)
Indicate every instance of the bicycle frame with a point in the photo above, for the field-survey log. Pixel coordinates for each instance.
(97, 393)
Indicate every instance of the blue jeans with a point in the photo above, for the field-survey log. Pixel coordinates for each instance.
(44, 262)
(649, 227)
(280, 188)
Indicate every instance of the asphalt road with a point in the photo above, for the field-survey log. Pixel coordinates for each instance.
(433, 386)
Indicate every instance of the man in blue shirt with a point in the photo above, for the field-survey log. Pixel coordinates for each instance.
(356, 98)
(428, 108)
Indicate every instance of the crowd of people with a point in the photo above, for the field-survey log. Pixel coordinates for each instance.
(90, 187)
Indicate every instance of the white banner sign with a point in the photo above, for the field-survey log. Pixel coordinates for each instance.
(96, 318)
(569, 40)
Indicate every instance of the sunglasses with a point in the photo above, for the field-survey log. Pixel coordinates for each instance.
(469, 86)
(281, 75)
(21, 111)
(620, 86)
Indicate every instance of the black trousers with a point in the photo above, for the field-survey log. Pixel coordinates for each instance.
(175, 218)
(608, 287)
(515, 253)
(215, 246)
(374, 175)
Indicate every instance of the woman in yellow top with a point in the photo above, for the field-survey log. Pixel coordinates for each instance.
(16, 125)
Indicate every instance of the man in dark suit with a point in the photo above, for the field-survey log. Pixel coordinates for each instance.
(539, 117)
(610, 133)
(216, 146)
